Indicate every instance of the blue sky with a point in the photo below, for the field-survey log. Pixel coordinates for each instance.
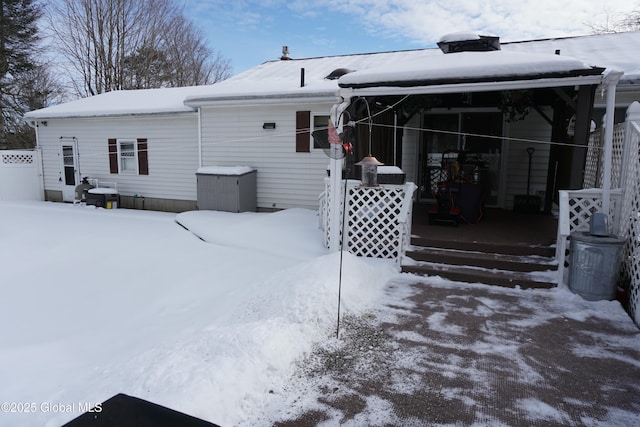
(250, 32)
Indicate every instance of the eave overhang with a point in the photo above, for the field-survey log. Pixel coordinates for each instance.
(593, 76)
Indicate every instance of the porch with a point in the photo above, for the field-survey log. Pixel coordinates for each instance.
(504, 248)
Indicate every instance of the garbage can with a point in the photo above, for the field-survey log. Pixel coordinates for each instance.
(594, 263)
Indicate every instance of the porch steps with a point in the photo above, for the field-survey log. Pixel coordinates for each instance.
(507, 265)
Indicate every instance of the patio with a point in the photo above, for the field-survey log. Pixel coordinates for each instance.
(442, 354)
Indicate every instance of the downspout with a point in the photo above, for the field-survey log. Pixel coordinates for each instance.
(611, 81)
(335, 167)
(199, 137)
(38, 150)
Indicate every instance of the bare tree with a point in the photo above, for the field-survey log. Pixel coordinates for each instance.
(192, 61)
(616, 23)
(122, 44)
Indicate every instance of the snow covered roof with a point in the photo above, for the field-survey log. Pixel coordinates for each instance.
(469, 67)
(617, 51)
(121, 102)
(280, 80)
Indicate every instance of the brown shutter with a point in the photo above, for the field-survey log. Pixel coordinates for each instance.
(113, 156)
(143, 157)
(303, 131)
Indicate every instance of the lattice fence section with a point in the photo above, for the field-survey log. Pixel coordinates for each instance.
(17, 158)
(593, 170)
(592, 165)
(378, 219)
(373, 227)
(630, 224)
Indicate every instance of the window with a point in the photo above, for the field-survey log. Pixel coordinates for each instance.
(320, 122)
(128, 156)
(128, 160)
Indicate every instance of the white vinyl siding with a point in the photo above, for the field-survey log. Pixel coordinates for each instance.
(233, 136)
(538, 130)
(172, 152)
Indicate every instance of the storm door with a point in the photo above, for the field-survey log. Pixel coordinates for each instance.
(69, 175)
(473, 138)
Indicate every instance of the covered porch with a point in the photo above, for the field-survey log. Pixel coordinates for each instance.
(479, 103)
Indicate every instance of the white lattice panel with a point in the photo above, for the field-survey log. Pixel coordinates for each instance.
(630, 226)
(592, 165)
(617, 154)
(17, 159)
(593, 169)
(378, 219)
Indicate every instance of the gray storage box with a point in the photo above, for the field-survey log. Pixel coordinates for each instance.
(594, 265)
(390, 175)
(229, 189)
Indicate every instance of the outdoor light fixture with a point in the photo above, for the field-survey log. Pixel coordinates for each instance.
(369, 171)
(269, 125)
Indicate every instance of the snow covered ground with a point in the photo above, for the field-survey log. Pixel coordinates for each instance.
(97, 302)
(215, 320)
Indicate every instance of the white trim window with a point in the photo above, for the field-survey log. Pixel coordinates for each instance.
(319, 121)
(128, 156)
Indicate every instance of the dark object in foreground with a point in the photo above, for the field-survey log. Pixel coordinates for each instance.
(126, 411)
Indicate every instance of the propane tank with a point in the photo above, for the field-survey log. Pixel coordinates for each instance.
(83, 189)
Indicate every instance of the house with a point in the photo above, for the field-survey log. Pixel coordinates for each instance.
(152, 142)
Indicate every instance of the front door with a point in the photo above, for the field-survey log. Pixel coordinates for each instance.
(476, 137)
(69, 175)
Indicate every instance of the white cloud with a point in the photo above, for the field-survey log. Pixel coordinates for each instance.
(424, 22)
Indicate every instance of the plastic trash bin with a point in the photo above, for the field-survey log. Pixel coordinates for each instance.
(594, 265)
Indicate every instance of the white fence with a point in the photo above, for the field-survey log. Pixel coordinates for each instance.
(20, 175)
(576, 207)
(377, 219)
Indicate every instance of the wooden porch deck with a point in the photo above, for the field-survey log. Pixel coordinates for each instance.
(497, 226)
(504, 248)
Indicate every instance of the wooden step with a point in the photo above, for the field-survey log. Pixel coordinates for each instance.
(487, 247)
(469, 274)
(488, 260)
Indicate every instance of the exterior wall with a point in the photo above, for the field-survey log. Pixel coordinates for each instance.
(534, 128)
(172, 154)
(233, 136)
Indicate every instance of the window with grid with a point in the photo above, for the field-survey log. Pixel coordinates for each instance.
(127, 154)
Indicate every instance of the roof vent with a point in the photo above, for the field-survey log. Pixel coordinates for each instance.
(285, 53)
(337, 73)
(468, 42)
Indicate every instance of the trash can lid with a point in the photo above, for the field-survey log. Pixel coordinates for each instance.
(587, 237)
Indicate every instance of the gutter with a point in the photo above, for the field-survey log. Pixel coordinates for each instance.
(271, 99)
(109, 115)
(472, 87)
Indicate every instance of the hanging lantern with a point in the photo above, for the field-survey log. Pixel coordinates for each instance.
(369, 166)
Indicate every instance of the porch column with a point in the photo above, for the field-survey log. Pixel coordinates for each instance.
(611, 81)
(335, 168)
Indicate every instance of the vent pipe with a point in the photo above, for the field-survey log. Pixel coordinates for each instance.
(285, 53)
(301, 77)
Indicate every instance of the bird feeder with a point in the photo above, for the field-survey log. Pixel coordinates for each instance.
(369, 166)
